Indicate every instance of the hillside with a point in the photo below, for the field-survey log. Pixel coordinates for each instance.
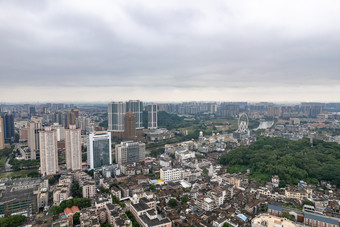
(291, 160)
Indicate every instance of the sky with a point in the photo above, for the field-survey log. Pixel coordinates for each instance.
(152, 50)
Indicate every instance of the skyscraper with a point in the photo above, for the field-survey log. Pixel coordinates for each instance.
(130, 126)
(152, 116)
(99, 150)
(73, 148)
(136, 107)
(116, 113)
(8, 122)
(129, 152)
(2, 137)
(34, 126)
(48, 152)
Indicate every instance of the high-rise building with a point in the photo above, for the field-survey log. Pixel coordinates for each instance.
(129, 152)
(8, 123)
(136, 107)
(48, 152)
(73, 148)
(152, 116)
(130, 126)
(99, 150)
(116, 113)
(60, 131)
(33, 127)
(71, 117)
(2, 137)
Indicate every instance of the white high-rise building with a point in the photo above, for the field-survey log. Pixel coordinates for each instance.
(48, 152)
(99, 151)
(60, 131)
(34, 126)
(73, 148)
(152, 116)
(116, 113)
(170, 174)
(129, 151)
(136, 107)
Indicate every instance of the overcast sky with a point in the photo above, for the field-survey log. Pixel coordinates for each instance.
(169, 50)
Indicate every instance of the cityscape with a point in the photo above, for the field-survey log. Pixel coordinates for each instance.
(133, 163)
(169, 113)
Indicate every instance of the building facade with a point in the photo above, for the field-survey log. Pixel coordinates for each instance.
(8, 124)
(2, 136)
(73, 148)
(136, 107)
(130, 126)
(171, 174)
(116, 113)
(48, 152)
(152, 116)
(33, 128)
(99, 151)
(129, 152)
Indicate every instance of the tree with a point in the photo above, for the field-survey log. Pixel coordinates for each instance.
(90, 172)
(76, 218)
(185, 199)
(226, 224)
(205, 171)
(285, 214)
(77, 191)
(172, 203)
(152, 187)
(52, 180)
(15, 220)
(104, 190)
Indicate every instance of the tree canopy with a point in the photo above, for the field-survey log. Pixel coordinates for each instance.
(291, 160)
(14, 220)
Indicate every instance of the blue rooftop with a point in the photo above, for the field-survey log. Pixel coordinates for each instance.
(324, 219)
(242, 216)
(274, 207)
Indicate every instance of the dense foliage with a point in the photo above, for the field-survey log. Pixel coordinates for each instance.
(14, 220)
(76, 220)
(77, 191)
(132, 218)
(4, 154)
(291, 160)
(80, 202)
(24, 164)
(172, 203)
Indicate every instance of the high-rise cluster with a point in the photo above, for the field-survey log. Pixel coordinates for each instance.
(125, 119)
(48, 139)
(117, 111)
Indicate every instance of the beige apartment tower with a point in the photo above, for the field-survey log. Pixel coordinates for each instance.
(2, 136)
(33, 128)
(48, 152)
(73, 148)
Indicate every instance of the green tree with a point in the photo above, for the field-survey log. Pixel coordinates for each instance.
(152, 187)
(76, 218)
(205, 171)
(77, 191)
(226, 224)
(172, 203)
(15, 220)
(90, 172)
(185, 199)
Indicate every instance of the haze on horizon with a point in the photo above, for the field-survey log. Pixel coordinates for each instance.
(87, 51)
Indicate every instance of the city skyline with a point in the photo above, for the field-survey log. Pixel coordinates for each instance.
(169, 51)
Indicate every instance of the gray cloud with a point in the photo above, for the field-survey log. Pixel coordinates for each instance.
(216, 50)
